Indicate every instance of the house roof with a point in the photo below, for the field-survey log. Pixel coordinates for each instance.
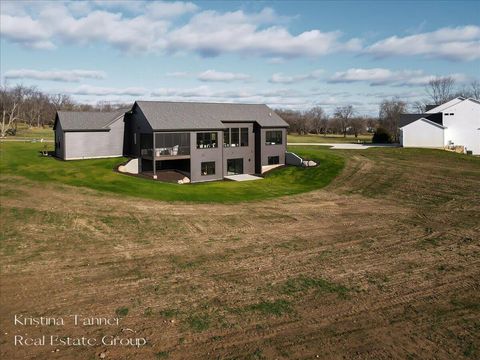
(406, 119)
(443, 106)
(192, 115)
(427, 121)
(88, 120)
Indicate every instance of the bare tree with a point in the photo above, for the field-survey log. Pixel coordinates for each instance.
(419, 106)
(10, 108)
(317, 120)
(371, 124)
(475, 89)
(440, 90)
(389, 114)
(343, 114)
(296, 120)
(357, 125)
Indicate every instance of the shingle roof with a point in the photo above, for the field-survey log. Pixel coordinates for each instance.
(427, 121)
(191, 115)
(87, 120)
(406, 119)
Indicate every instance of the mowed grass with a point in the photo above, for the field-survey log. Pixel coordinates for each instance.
(330, 138)
(25, 132)
(23, 159)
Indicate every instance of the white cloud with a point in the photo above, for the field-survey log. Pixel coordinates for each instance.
(211, 33)
(104, 91)
(56, 24)
(164, 9)
(213, 75)
(207, 33)
(26, 31)
(279, 78)
(459, 44)
(55, 75)
(381, 76)
(176, 74)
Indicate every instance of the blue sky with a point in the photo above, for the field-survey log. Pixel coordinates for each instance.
(289, 54)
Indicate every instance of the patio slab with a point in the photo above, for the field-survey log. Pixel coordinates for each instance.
(243, 177)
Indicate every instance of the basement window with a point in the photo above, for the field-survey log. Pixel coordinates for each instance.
(273, 160)
(208, 168)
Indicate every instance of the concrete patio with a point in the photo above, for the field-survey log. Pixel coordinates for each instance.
(345, 146)
(243, 177)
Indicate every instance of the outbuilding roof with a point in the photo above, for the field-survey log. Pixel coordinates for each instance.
(165, 115)
(87, 120)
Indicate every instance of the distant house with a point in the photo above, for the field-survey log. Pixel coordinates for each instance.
(206, 141)
(454, 123)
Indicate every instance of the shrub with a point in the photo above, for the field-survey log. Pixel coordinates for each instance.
(381, 136)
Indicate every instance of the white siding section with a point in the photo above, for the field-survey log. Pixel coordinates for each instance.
(422, 134)
(462, 128)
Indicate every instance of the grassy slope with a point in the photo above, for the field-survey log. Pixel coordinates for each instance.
(311, 138)
(23, 160)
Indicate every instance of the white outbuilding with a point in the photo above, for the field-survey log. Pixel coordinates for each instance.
(455, 123)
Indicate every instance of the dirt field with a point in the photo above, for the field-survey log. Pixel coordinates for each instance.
(381, 264)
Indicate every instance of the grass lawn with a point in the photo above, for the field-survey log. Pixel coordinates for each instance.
(22, 159)
(23, 131)
(330, 138)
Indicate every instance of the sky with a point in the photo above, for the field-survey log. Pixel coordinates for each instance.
(287, 54)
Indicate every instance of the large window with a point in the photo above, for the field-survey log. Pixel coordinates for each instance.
(207, 140)
(167, 144)
(226, 138)
(208, 168)
(244, 137)
(273, 137)
(273, 160)
(235, 137)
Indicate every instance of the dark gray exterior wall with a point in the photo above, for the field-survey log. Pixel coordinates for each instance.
(247, 153)
(59, 141)
(197, 156)
(138, 125)
(94, 144)
(273, 150)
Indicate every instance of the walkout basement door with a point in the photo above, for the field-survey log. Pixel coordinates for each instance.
(234, 166)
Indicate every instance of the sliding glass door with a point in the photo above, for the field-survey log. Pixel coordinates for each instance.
(234, 166)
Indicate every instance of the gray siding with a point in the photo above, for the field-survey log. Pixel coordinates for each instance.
(247, 153)
(95, 144)
(273, 150)
(203, 155)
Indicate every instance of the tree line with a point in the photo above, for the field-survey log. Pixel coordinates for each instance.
(22, 104)
(345, 119)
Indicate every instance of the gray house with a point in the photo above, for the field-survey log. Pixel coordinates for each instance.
(206, 141)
